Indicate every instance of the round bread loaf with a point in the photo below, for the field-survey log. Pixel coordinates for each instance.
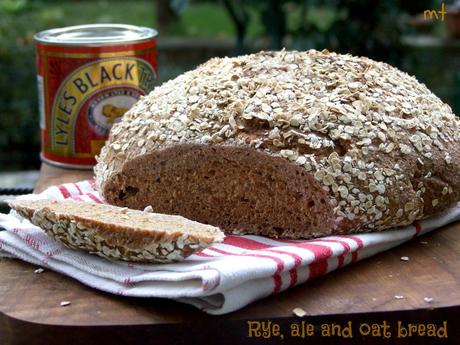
(287, 144)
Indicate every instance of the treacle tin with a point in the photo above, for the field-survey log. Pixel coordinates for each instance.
(88, 76)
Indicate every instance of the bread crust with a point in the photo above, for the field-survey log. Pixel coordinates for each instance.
(382, 146)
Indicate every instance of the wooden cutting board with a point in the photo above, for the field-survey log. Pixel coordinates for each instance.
(30, 303)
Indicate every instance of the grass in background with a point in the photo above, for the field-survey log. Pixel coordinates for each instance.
(198, 19)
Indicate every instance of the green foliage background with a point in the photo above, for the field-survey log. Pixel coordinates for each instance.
(361, 27)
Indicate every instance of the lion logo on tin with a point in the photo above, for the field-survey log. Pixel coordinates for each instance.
(107, 108)
(112, 112)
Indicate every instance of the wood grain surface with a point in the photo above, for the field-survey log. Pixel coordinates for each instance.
(367, 286)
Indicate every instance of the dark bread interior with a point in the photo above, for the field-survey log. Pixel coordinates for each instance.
(236, 188)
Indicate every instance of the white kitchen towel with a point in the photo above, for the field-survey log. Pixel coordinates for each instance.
(219, 279)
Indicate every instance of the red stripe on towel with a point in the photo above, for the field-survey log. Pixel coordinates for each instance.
(64, 191)
(78, 188)
(340, 260)
(94, 198)
(293, 276)
(318, 269)
(346, 250)
(297, 263)
(359, 243)
(418, 228)
(320, 265)
(320, 251)
(245, 243)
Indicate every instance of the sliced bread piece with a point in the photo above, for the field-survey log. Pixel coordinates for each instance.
(116, 232)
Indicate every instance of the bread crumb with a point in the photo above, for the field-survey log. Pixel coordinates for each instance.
(148, 208)
(65, 303)
(299, 312)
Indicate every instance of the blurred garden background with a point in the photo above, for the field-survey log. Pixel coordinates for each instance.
(395, 31)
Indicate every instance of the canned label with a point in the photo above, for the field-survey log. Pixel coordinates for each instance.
(85, 91)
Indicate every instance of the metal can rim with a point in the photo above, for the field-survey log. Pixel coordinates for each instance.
(52, 36)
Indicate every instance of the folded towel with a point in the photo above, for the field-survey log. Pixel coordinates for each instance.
(217, 280)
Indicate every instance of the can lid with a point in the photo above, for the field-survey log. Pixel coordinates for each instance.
(96, 34)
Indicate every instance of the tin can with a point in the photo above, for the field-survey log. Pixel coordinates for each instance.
(88, 76)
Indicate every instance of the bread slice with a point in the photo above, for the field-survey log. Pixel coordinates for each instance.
(118, 233)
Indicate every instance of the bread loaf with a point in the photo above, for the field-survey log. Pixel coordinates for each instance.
(287, 144)
(118, 233)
